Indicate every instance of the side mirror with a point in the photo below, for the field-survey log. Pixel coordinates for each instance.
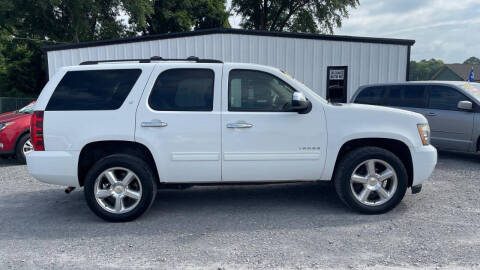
(300, 103)
(465, 105)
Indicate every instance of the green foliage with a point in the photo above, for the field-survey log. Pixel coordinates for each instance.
(19, 72)
(424, 69)
(186, 15)
(71, 20)
(210, 14)
(472, 61)
(304, 22)
(314, 16)
(28, 25)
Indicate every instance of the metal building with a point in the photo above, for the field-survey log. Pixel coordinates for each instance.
(337, 63)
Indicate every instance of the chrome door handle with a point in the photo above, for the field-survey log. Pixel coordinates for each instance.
(431, 114)
(239, 125)
(154, 124)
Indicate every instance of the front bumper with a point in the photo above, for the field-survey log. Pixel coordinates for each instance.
(6, 143)
(424, 160)
(54, 167)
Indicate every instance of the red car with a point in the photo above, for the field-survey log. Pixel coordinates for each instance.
(15, 132)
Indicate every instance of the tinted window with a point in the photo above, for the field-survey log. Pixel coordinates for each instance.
(407, 96)
(371, 95)
(183, 90)
(445, 98)
(258, 91)
(93, 90)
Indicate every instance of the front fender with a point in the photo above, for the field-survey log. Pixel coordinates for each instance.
(333, 149)
(353, 121)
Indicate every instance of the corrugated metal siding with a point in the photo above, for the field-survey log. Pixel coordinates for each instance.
(306, 59)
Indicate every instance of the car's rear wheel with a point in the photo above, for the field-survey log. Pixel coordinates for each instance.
(120, 188)
(371, 180)
(24, 146)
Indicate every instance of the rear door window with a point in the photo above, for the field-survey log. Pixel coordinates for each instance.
(183, 89)
(371, 95)
(414, 96)
(445, 98)
(93, 90)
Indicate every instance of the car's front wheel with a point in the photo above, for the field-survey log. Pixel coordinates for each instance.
(371, 180)
(120, 188)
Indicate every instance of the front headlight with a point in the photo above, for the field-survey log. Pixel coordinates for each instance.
(4, 125)
(424, 131)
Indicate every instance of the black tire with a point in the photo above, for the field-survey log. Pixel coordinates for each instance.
(356, 157)
(19, 155)
(144, 174)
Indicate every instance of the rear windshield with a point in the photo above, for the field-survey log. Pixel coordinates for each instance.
(93, 90)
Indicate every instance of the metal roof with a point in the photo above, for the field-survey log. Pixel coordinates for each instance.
(405, 42)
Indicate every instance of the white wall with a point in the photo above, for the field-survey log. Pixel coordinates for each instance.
(306, 59)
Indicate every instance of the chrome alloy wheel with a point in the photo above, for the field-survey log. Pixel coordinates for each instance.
(118, 190)
(27, 147)
(373, 182)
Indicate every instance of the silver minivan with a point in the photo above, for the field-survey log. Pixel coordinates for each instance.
(452, 108)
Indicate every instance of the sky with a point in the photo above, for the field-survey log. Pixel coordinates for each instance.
(443, 29)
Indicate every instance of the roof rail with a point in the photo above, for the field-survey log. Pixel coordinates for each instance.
(153, 59)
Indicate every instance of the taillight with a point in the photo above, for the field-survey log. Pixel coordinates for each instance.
(36, 131)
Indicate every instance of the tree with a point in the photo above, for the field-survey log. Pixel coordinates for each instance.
(21, 72)
(186, 15)
(472, 61)
(27, 25)
(424, 69)
(304, 22)
(314, 16)
(210, 14)
(72, 20)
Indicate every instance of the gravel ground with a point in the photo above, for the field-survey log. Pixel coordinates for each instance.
(299, 226)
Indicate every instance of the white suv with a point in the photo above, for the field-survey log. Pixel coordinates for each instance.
(122, 130)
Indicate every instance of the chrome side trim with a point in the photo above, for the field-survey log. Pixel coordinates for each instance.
(200, 156)
(229, 156)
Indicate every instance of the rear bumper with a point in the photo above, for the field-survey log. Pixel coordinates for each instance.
(54, 167)
(424, 161)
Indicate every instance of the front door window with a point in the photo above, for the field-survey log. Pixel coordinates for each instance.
(257, 91)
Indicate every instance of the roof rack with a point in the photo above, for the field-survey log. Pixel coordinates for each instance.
(154, 59)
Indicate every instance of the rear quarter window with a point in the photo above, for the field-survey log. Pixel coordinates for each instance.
(93, 90)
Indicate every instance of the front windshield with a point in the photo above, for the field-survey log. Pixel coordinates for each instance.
(473, 89)
(28, 108)
(304, 87)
